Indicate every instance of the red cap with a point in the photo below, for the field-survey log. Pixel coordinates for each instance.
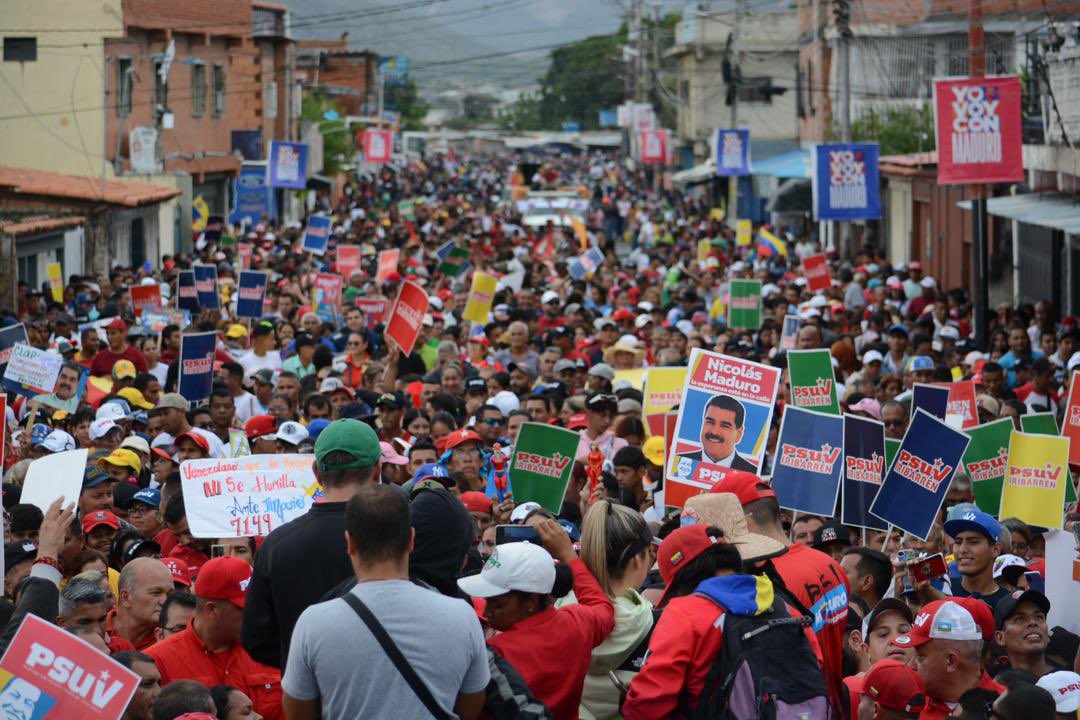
(179, 571)
(681, 547)
(894, 686)
(745, 485)
(623, 314)
(117, 324)
(577, 421)
(195, 438)
(984, 617)
(463, 435)
(224, 578)
(99, 518)
(476, 501)
(259, 425)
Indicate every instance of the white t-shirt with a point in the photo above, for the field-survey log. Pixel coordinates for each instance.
(252, 363)
(334, 657)
(246, 406)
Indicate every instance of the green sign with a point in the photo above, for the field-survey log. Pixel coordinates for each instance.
(542, 463)
(813, 383)
(744, 308)
(455, 261)
(985, 462)
(1045, 423)
(891, 446)
(407, 210)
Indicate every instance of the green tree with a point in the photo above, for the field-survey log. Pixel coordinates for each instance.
(339, 144)
(405, 100)
(899, 130)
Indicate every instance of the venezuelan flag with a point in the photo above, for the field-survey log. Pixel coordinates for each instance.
(769, 245)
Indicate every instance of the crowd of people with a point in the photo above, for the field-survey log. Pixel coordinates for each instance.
(408, 589)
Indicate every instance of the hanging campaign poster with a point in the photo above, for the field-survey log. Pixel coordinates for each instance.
(985, 461)
(584, 265)
(197, 365)
(348, 260)
(247, 496)
(251, 293)
(542, 464)
(934, 399)
(654, 147)
(919, 478)
(49, 673)
(663, 391)
(864, 471)
(845, 182)
(254, 198)
(816, 270)
(724, 416)
(31, 371)
(744, 233)
(807, 467)
(481, 297)
(1072, 421)
(732, 152)
(388, 262)
(187, 297)
(744, 310)
(145, 296)
(977, 124)
(55, 273)
(453, 260)
(317, 234)
(326, 293)
(378, 145)
(961, 402)
(206, 286)
(1036, 475)
(287, 165)
(408, 315)
(813, 383)
(9, 337)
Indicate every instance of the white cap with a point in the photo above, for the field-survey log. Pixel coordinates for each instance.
(602, 370)
(629, 340)
(973, 357)
(684, 326)
(818, 301)
(738, 266)
(769, 289)
(928, 282)
(949, 621)
(110, 411)
(1003, 561)
(58, 441)
(602, 322)
(513, 566)
(291, 432)
(162, 439)
(949, 332)
(136, 443)
(645, 306)
(148, 281)
(100, 428)
(522, 511)
(642, 320)
(549, 296)
(506, 401)
(800, 281)
(1064, 685)
(871, 356)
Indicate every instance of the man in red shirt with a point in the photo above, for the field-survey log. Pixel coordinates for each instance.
(209, 650)
(118, 349)
(144, 584)
(815, 579)
(948, 656)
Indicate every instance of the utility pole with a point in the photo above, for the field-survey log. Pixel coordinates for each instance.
(979, 242)
(735, 77)
(639, 67)
(843, 45)
(655, 74)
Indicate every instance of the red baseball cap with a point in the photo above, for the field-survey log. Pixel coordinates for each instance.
(476, 501)
(117, 324)
(940, 620)
(99, 518)
(260, 425)
(224, 578)
(195, 438)
(894, 686)
(179, 571)
(745, 485)
(461, 436)
(981, 612)
(577, 421)
(681, 547)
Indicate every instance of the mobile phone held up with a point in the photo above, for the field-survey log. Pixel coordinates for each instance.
(928, 568)
(516, 533)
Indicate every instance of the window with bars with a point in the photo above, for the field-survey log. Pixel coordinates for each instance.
(124, 86)
(161, 90)
(219, 90)
(198, 90)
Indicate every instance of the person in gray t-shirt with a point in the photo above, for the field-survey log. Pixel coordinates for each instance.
(337, 668)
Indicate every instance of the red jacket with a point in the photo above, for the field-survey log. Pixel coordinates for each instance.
(552, 649)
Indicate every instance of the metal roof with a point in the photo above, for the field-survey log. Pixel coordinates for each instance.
(1046, 210)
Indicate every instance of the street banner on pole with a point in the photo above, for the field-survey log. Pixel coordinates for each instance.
(919, 478)
(481, 298)
(816, 270)
(287, 165)
(813, 382)
(251, 293)
(807, 467)
(732, 152)
(654, 147)
(378, 145)
(978, 128)
(845, 182)
(542, 464)
(724, 417)
(985, 461)
(744, 309)
(1035, 479)
(407, 316)
(864, 471)
(197, 365)
(317, 234)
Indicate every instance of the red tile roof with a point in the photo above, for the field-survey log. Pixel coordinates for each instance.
(129, 193)
(32, 224)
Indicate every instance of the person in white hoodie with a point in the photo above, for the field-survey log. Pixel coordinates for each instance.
(617, 547)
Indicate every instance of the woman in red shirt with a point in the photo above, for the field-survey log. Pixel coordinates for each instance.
(550, 648)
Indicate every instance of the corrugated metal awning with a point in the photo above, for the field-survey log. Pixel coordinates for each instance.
(1052, 211)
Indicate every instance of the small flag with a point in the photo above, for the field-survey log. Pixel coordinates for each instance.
(769, 245)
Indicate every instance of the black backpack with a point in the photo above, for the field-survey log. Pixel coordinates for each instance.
(766, 668)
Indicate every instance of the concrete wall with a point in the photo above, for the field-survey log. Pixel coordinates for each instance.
(50, 109)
